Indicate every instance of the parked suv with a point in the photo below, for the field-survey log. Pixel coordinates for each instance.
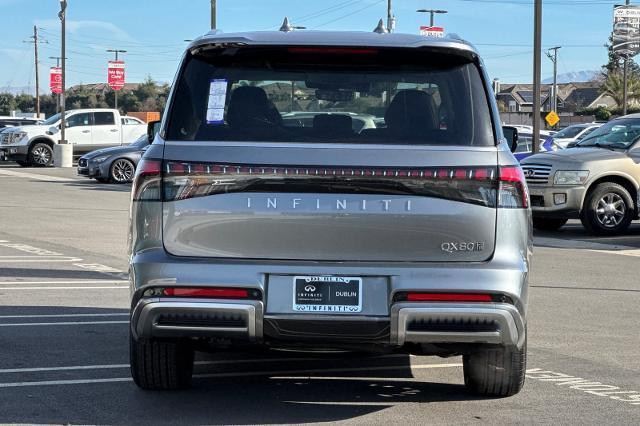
(597, 181)
(86, 130)
(412, 237)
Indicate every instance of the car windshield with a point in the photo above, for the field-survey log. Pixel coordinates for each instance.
(51, 120)
(141, 142)
(304, 94)
(617, 134)
(569, 132)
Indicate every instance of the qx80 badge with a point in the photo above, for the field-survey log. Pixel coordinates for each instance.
(463, 247)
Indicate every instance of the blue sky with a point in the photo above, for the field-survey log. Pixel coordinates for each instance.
(152, 31)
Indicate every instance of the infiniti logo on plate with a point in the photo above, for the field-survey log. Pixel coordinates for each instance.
(309, 288)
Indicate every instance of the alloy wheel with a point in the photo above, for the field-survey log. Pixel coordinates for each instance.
(122, 171)
(610, 210)
(41, 155)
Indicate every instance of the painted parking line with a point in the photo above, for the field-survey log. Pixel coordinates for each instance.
(236, 374)
(38, 324)
(585, 385)
(64, 282)
(122, 287)
(38, 259)
(35, 176)
(114, 314)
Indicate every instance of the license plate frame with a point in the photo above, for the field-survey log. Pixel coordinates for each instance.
(327, 294)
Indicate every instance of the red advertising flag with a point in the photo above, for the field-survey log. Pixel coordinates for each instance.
(437, 32)
(115, 74)
(55, 80)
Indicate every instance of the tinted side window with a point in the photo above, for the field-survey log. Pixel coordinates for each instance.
(103, 118)
(83, 119)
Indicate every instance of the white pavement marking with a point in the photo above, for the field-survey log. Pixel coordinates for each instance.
(66, 282)
(238, 374)
(29, 249)
(585, 385)
(33, 324)
(115, 314)
(41, 260)
(36, 176)
(65, 288)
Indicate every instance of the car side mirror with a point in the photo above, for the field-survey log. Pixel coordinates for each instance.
(511, 135)
(53, 130)
(153, 127)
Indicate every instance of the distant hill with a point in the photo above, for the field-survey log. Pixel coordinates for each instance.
(574, 77)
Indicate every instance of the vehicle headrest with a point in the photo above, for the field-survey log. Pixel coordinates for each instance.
(411, 111)
(250, 107)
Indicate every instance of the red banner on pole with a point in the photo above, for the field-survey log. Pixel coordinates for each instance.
(115, 74)
(55, 80)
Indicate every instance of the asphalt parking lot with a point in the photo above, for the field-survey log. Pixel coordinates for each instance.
(63, 333)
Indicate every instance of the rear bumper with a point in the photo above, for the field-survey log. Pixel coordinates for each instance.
(435, 323)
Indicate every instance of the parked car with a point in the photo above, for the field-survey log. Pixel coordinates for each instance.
(86, 130)
(524, 128)
(597, 181)
(359, 122)
(246, 232)
(525, 148)
(116, 164)
(17, 121)
(573, 134)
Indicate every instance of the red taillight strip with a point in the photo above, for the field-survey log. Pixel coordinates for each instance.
(210, 292)
(448, 173)
(448, 297)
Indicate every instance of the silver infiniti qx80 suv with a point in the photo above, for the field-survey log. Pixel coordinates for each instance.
(247, 229)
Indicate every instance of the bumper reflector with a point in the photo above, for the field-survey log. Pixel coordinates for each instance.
(448, 297)
(211, 292)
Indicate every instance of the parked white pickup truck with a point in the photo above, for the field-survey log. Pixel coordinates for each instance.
(86, 130)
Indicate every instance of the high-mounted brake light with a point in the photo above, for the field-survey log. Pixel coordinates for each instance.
(333, 50)
(147, 182)
(513, 188)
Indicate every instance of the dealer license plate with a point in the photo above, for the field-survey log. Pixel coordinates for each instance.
(327, 294)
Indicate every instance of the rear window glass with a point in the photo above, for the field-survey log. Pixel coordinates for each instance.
(396, 96)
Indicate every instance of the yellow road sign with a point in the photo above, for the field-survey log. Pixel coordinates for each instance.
(552, 118)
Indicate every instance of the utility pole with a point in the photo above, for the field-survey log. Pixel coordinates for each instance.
(537, 56)
(116, 51)
(213, 14)
(625, 72)
(432, 13)
(391, 21)
(57, 58)
(554, 58)
(63, 121)
(35, 40)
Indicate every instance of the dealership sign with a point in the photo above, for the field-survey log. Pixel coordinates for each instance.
(626, 30)
(437, 32)
(115, 73)
(55, 80)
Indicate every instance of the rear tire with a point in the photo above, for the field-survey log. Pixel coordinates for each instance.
(548, 224)
(608, 210)
(161, 364)
(496, 371)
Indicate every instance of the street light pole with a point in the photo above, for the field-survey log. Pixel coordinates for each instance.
(116, 51)
(537, 56)
(432, 12)
(62, 16)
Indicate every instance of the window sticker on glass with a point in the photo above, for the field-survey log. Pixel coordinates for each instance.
(217, 99)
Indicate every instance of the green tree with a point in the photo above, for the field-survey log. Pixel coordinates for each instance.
(7, 103)
(613, 86)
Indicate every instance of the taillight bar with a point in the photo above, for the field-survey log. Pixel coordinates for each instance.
(440, 173)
